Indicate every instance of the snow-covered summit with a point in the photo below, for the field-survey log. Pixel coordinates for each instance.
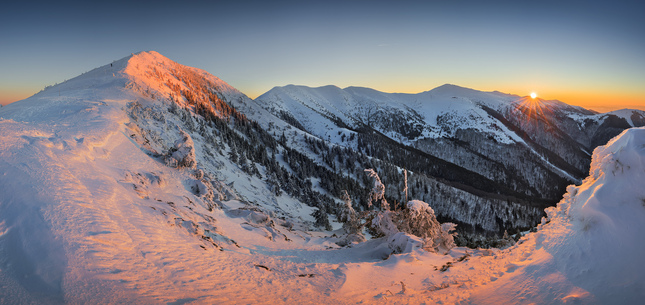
(106, 184)
(456, 90)
(153, 71)
(148, 71)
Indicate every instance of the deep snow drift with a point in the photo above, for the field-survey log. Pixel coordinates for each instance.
(87, 216)
(590, 246)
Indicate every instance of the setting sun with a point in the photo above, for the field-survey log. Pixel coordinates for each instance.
(533, 95)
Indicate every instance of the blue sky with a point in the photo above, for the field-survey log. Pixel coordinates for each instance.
(588, 53)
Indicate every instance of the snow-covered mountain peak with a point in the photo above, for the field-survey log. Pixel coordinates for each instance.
(145, 74)
(634, 117)
(155, 74)
(449, 92)
(447, 89)
(149, 57)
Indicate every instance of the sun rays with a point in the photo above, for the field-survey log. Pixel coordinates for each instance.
(531, 110)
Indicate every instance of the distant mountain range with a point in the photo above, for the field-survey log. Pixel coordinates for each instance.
(533, 146)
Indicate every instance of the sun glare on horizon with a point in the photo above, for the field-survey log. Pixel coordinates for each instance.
(533, 95)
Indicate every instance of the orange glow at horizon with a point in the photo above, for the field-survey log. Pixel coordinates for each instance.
(9, 96)
(594, 99)
(602, 101)
(597, 99)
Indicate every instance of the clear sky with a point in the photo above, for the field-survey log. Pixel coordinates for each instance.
(588, 53)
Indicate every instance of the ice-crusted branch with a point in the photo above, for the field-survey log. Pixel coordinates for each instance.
(378, 191)
(405, 180)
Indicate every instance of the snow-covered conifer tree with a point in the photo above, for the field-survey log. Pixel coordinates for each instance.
(348, 216)
(382, 221)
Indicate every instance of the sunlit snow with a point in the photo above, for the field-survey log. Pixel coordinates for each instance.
(88, 216)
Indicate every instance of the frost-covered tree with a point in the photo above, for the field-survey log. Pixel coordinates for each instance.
(405, 181)
(381, 222)
(377, 194)
(447, 239)
(384, 224)
(348, 216)
(419, 219)
(351, 222)
(322, 219)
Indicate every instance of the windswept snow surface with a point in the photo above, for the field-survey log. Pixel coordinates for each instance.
(87, 216)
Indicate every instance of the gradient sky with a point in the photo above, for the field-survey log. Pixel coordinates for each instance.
(588, 53)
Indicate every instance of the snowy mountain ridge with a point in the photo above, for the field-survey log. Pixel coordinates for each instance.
(104, 175)
(128, 185)
(356, 106)
(431, 114)
(460, 125)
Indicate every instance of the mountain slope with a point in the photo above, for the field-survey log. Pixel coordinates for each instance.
(535, 147)
(307, 167)
(89, 212)
(588, 243)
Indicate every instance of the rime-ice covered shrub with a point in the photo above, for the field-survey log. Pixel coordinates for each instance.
(419, 220)
(384, 224)
(183, 153)
(447, 238)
